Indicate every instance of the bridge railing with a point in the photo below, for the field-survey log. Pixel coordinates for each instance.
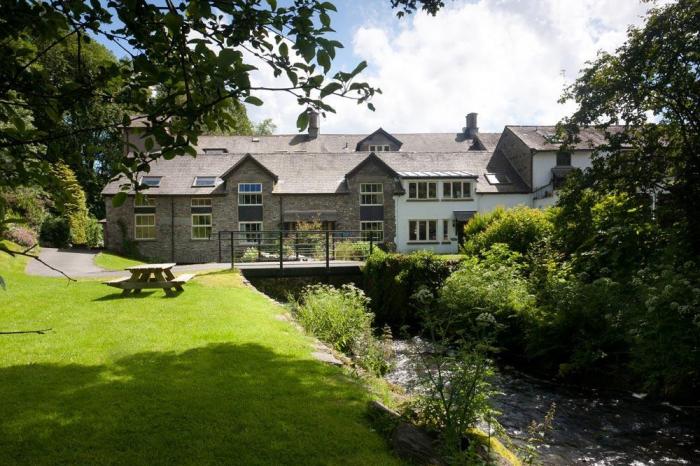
(285, 246)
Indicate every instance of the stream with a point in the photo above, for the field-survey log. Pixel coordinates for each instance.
(590, 427)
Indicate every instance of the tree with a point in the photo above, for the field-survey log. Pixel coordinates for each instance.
(655, 73)
(267, 127)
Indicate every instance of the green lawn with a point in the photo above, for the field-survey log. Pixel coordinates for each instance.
(110, 261)
(208, 377)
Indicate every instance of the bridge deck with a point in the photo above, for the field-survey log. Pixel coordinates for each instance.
(299, 269)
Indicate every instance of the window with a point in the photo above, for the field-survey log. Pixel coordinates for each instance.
(456, 190)
(204, 181)
(445, 230)
(201, 226)
(252, 231)
(563, 159)
(215, 150)
(201, 202)
(497, 178)
(379, 148)
(422, 190)
(372, 230)
(144, 226)
(151, 181)
(250, 194)
(422, 230)
(371, 194)
(144, 201)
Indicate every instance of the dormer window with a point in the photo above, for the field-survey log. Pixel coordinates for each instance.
(215, 150)
(151, 181)
(204, 181)
(379, 148)
(497, 178)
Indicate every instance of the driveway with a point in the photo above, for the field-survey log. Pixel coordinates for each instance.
(80, 263)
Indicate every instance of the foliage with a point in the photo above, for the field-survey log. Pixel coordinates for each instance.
(55, 232)
(521, 228)
(249, 255)
(390, 280)
(351, 250)
(21, 235)
(654, 73)
(122, 367)
(267, 127)
(195, 54)
(28, 203)
(94, 233)
(340, 317)
(69, 199)
(492, 289)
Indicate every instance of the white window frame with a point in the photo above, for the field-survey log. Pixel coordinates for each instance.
(253, 239)
(198, 227)
(196, 178)
(427, 231)
(249, 193)
(371, 193)
(138, 228)
(155, 178)
(427, 190)
(200, 202)
(379, 147)
(466, 194)
(377, 233)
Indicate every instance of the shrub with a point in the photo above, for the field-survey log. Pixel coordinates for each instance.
(26, 202)
(391, 279)
(21, 235)
(520, 228)
(249, 255)
(55, 232)
(351, 250)
(491, 289)
(70, 201)
(339, 316)
(94, 233)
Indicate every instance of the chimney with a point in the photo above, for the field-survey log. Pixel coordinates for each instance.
(472, 128)
(314, 123)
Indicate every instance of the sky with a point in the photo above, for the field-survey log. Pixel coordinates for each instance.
(507, 60)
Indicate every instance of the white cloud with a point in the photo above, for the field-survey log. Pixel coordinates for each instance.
(500, 58)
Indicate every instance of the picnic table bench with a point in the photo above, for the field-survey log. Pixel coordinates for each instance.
(150, 276)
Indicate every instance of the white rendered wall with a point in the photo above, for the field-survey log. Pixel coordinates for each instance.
(543, 162)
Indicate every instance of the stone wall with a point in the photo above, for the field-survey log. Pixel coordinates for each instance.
(518, 154)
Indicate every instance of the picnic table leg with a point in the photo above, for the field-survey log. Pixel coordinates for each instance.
(140, 277)
(159, 277)
(169, 275)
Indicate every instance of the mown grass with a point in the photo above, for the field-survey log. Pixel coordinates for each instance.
(110, 261)
(211, 376)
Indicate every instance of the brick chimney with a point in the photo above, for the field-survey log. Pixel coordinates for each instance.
(472, 128)
(314, 123)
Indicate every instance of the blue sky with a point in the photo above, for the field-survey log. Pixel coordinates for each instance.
(507, 60)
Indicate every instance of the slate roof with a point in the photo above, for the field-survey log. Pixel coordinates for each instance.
(317, 173)
(536, 137)
(340, 143)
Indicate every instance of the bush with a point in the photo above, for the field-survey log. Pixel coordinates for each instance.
(351, 250)
(94, 233)
(26, 202)
(55, 232)
(249, 255)
(391, 279)
(339, 316)
(493, 290)
(520, 228)
(21, 235)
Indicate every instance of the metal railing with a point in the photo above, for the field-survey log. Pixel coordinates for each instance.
(282, 246)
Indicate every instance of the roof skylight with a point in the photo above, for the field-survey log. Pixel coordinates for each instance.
(151, 181)
(497, 178)
(204, 181)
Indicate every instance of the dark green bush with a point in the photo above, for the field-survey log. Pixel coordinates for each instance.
(390, 280)
(521, 228)
(94, 233)
(55, 232)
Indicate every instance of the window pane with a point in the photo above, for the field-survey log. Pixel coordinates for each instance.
(422, 230)
(447, 190)
(457, 187)
(422, 193)
(412, 231)
(445, 229)
(432, 190)
(411, 190)
(432, 230)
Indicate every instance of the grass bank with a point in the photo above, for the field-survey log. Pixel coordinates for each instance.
(110, 261)
(209, 376)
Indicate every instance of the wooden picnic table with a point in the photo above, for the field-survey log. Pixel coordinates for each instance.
(150, 276)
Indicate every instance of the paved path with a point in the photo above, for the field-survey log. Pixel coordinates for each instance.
(80, 263)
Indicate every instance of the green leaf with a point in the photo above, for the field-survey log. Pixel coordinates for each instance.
(302, 121)
(148, 144)
(173, 22)
(227, 57)
(324, 60)
(330, 88)
(119, 199)
(284, 49)
(358, 69)
(325, 19)
(252, 100)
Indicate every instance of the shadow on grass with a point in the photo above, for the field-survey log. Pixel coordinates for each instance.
(119, 295)
(219, 404)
